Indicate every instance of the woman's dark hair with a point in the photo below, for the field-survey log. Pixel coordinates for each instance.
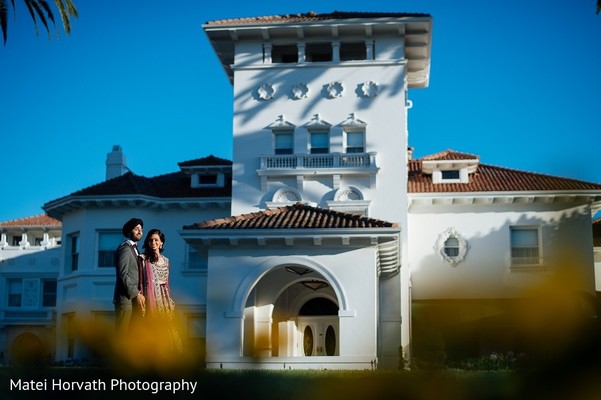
(150, 255)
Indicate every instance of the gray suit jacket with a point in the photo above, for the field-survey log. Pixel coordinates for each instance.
(127, 274)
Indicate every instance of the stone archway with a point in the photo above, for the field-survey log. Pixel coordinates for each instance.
(272, 309)
(28, 349)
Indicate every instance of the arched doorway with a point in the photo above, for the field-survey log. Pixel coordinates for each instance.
(290, 305)
(317, 323)
(27, 349)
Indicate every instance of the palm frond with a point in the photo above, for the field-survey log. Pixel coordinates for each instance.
(48, 10)
(3, 18)
(32, 13)
(73, 11)
(62, 10)
(40, 13)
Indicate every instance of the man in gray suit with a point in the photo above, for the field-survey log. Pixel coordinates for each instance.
(129, 287)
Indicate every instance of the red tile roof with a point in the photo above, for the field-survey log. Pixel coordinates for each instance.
(297, 216)
(36, 220)
(312, 16)
(172, 185)
(205, 161)
(488, 178)
(449, 155)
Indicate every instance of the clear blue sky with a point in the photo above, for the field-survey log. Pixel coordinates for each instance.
(516, 82)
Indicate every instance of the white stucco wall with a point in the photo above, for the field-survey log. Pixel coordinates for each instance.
(385, 131)
(235, 271)
(566, 243)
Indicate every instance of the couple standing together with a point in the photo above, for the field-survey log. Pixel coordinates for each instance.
(142, 297)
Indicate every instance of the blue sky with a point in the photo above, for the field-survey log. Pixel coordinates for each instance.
(516, 82)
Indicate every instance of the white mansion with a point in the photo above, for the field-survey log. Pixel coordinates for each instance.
(323, 243)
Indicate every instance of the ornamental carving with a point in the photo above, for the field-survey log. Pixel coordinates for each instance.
(266, 91)
(454, 253)
(370, 89)
(300, 91)
(334, 90)
(287, 194)
(348, 194)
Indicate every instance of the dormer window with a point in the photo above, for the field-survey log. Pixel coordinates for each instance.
(208, 179)
(450, 167)
(450, 175)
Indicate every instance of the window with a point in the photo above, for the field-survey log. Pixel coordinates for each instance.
(320, 142)
(204, 179)
(73, 252)
(316, 52)
(15, 292)
(451, 247)
(452, 174)
(197, 260)
(283, 143)
(352, 51)
(525, 246)
(355, 142)
(207, 179)
(107, 244)
(284, 54)
(49, 293)
(17, 240)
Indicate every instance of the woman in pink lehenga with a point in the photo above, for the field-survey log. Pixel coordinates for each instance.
(159, 304)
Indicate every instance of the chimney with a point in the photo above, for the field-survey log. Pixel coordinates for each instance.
(116, 165)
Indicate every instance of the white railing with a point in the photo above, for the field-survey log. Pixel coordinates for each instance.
(28, 315)
(331, 160)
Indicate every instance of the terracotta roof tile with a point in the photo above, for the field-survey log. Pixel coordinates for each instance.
(312, 16)
(297, 216)
(488, 178)
(172, 185)
(36, 220)
(449, 155)
(205, 161)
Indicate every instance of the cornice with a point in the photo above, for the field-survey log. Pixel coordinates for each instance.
(504, 198)
(58, 208)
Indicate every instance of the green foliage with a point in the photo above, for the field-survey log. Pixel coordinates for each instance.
(492, 362)
(40, 10)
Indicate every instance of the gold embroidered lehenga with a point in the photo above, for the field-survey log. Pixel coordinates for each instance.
(160, 307)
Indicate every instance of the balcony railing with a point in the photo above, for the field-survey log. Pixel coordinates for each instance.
(313, 161)
(27, 315)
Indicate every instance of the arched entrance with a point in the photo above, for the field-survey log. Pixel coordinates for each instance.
(27, 349)
(292, 311)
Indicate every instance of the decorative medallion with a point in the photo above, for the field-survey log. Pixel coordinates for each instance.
(451, 246)
(348, 194)
(266, 91)
(300, 91)
(287, 194)
(334, 90)
(370, 89)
